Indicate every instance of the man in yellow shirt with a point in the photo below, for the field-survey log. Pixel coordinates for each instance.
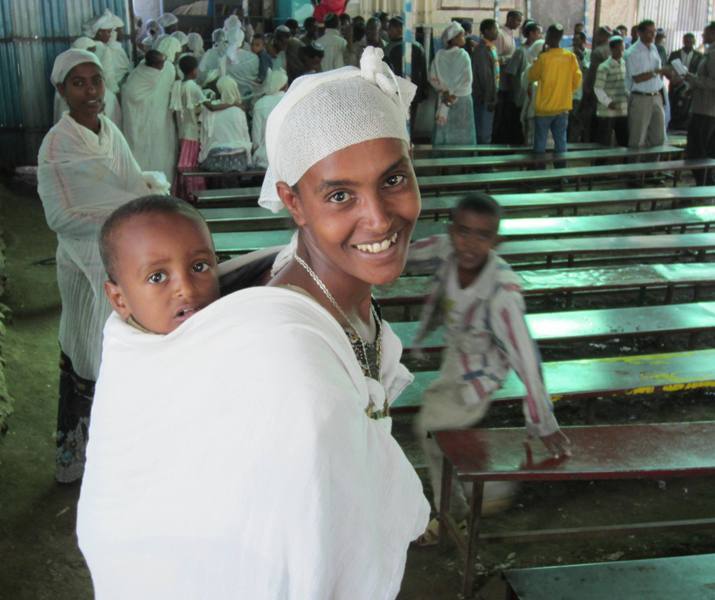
(558, 76)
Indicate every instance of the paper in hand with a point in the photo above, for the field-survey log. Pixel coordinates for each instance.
(679, 67)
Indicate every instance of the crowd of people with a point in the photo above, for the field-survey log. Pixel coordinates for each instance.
(240, 443)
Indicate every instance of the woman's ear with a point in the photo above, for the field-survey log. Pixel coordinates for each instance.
(292, 202)
(116, 299)
(61, 89)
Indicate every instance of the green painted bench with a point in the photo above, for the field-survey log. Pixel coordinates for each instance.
(605, 452)
(669, 578)
(412, 290)
(581, 325)
(593, 377)
(679, 218)
(482, 149)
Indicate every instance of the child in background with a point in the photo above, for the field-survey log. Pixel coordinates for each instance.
(187, 99)
(478, 298)
(160, 262)
(258, 47)
(225, 141)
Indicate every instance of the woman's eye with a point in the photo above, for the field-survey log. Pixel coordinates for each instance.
(394, 180)
(157, 277)
(339, 197)
(201, 266)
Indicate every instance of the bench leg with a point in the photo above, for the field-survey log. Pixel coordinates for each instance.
(475, 516)
(445, 500)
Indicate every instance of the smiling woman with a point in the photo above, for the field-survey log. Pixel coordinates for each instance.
(85, 171)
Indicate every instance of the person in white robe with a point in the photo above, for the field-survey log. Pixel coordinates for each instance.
(122, 64)
(242, 64)
(288, 490)
(148, 122)
(214, 58)
(273, 90)
(85, 171)
(111, 103)
(225, 141)
(196, 45)
(168, 22)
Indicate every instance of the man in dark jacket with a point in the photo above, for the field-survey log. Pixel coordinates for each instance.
(680, 94)
(485, 80)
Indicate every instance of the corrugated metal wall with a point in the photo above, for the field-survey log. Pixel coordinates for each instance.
(677, 17)
(32, 33)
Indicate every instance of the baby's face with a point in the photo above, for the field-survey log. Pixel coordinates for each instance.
(165, 270)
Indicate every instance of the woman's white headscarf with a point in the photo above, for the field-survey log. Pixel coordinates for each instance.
(219, 39)
(275, 81)
(326, 112)
(169, 47)
(196, 44)
(84, 43)
(68, 60)
(181, 37)
(452, 31)
(167, 20)
(228, 88)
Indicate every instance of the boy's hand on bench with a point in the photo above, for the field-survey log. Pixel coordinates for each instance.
(557, 444)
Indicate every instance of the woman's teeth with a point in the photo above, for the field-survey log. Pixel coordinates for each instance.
(377, 247)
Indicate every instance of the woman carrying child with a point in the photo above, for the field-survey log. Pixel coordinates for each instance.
(451, 75)
(85, 171)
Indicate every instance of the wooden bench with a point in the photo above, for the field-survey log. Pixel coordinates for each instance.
(593, 377)
(574, 175)
(439, 184)
(670, 578)
(641, 451)
(679, 218)
(482, 149)
(467, 164)
(412, 290)
(433, 207)
(591, 324)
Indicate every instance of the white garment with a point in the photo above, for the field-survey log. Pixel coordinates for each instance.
(213, 60)
(111, 107)
(186, 100)
(120, 61)
(196, 45)
(642, 59)
(243, 65)
(68, 60)
(226, 128)
(451, 71)
(252, 471)
(326, 112)
(106, 57)
(334, 45)
(81, 178)
(261, 110)
(148, 122)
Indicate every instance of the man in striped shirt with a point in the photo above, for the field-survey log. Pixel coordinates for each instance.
(478, 298)
(612, 96)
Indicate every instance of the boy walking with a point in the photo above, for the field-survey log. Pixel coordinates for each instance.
(612, 96)
(478, 298)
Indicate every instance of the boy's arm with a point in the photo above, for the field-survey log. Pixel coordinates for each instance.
(599, 87)
(510, 328)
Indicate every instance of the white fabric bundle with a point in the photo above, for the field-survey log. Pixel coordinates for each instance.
(196, 44)
(167, 20)
(68, 60)
(81, 178)
(326, 112)
(244, 477)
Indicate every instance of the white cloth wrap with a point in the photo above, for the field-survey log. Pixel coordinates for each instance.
(167, 20)
(275, 81)
(451, 32)
(81, 179)
(326, 112)
(227, 129)
(196, 44)
(68, 60)
(169, 47)
(180, 37)
(228, 88)
(84, 43)
(245, 477)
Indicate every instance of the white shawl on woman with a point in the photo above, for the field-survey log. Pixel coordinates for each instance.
(81, 178)
(233, 458)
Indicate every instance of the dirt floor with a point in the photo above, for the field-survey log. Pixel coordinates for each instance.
(39, 558)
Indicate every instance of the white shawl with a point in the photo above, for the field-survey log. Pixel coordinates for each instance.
(81, 179)
(148, 122)
(451, 71)
(233, 459)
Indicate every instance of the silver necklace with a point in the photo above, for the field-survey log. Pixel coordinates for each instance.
(319, 282)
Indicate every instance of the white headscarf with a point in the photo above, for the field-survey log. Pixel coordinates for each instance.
(84, 43)
(181, 37)
(169, 47)
(105, 21)
(326, 112)
(68, 60)
(116, 21)
(452, 31)
(234, 31)
(167, 20)
(228, 88)
(219, 39)
(196, 44)
(274, 82)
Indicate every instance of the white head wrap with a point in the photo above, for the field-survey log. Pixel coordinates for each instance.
(452, 31)
(117, 22)
(104, 21)
(181, 37)
(84, 43)
(228, 88)
(274, 82)
(615, 38)
(196, 44)
(153, 28)
(147, 42)
(234, 31)
(169, 47)
(68, 60)
(536, 48)
(231, 22)
(158, 39)
(212, 76)
(326, 112)
(167, 20)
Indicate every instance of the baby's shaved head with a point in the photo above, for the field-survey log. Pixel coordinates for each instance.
(146, 205)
